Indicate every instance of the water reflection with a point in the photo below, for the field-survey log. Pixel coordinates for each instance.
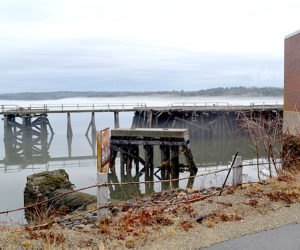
(30, 145)
(28, 142)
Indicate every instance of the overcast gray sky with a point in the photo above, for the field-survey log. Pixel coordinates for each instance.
(142, 45)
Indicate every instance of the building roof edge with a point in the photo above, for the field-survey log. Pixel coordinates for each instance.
(292, 34)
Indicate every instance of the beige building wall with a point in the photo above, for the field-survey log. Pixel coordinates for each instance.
(291, 122)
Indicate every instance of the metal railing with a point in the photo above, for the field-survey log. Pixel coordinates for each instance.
(32, 108)
(224, 105)
(52, 108)
(199, 104)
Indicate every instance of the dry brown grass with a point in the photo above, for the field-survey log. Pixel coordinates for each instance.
(137, 226)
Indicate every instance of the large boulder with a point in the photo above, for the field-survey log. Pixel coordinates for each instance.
(49, 184)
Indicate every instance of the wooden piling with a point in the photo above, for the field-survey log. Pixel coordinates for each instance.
(148, 159)
(190, 160)
(134, 120)
(69, 126)
(69, 135)
(44, 135)
(116, 119)
(136, 158)
(123, 159)
(27, 137)
(113, 156)
(94, 133)
(175, 165)
(129, 160)
(165, 166)
(165, 159)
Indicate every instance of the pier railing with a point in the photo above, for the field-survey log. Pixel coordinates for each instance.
(110, 107)
(57, 108)
(224, 105)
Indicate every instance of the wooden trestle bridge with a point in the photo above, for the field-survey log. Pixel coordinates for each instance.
(26, 128)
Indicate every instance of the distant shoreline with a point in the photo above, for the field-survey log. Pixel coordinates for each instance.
(232, 91)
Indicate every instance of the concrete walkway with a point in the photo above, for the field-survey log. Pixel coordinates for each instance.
(285, 237)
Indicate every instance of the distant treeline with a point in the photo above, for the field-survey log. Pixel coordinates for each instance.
(230, 91)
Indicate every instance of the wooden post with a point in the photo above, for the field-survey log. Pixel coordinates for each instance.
(165, 165)
(113, 156)
(149, 187)
(69, 126)
(116, 119)
(8, 128)
(237, 172)
(27, 137)
(190, 160)
(174, 157)
(165, 158)
(144, 125)
(138, 122)
(122, 163)
(150, 116)
(136, 158)
(148, 159)
(44, 135)
(175, 165)
(134, 120)
(129, 160)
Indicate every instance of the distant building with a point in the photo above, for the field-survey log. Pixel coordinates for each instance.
(291, 112)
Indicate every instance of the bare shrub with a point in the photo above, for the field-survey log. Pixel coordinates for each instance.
(265, 132)
(290, 153)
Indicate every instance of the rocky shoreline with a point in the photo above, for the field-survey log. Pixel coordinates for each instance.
(167, 220)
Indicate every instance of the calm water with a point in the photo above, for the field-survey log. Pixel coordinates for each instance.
(215, 154)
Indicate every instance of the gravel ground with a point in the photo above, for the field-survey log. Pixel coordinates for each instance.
(263, 216)
(201, 236)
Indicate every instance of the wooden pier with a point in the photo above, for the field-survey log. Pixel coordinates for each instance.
(170, 141)
(30, 125)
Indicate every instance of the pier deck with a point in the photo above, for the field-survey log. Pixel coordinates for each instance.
(122, 107)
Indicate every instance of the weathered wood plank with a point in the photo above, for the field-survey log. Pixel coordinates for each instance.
(153, 132)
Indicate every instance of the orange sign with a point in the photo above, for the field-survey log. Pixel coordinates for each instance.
(103, 150)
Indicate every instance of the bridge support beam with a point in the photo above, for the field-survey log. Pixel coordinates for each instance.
(26, 141)
(127, 142)
(92, 127)
(69, 134)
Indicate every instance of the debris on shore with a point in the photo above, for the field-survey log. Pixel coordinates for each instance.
(158, 220)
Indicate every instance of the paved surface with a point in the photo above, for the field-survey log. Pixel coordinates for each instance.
(285, 237)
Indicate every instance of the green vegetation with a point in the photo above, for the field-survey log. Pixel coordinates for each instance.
(228, 91)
